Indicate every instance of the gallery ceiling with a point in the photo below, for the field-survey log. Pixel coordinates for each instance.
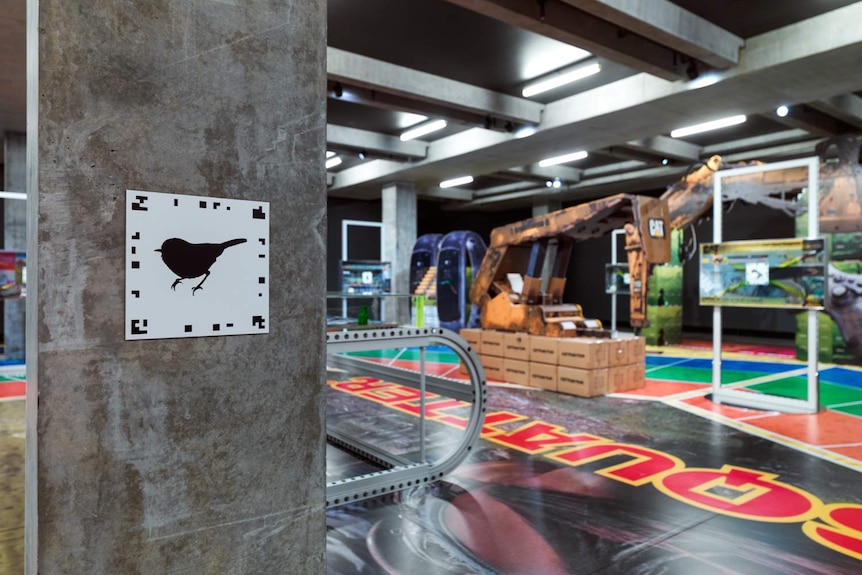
(662, 65)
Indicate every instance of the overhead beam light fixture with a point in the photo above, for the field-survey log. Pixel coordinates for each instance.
(454, 182)
(329, 154)
(562, 159)
(562, 79)
(332, 162)
(707, 126)
(423, 129)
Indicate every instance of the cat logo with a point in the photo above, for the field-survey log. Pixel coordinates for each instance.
(656, 228)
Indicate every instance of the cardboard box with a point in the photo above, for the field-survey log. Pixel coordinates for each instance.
(618, 352)
(492, 342)
(635, 350)
(516, 346)
(516, 371)
(618, 379)
(473, 337)
(543, 375)
(544, 349)
(493, 366)
(636, 376)
(582, 382)
(582, 352)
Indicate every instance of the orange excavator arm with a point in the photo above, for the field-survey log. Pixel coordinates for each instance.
(520, 248)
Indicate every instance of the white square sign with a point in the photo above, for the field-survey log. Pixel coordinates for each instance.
(195, 266)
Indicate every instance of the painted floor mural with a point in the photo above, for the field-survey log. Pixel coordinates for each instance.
(659, 480)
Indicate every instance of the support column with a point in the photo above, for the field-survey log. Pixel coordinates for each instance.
(15, 237)
(190, 455)
(399, 235)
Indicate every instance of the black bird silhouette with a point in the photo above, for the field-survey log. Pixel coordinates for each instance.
(192, 260)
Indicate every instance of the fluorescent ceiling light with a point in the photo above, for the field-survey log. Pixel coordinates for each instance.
(550, 57)
(706, 126)
(329, 154)
(558, 80)
(407, 119)
(332, 162)
(457, 182)
(423, 129)
(525, 132)
(562, 159)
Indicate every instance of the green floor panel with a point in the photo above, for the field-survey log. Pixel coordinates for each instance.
(795, 388)
(408, 355)
(699, 375)
(850, 409)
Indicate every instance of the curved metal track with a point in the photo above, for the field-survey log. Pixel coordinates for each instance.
(402, 474)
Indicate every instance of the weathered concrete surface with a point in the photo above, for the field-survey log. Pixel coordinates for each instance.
(399, 235)
(12, 487)
(193, 456)
(15, 237)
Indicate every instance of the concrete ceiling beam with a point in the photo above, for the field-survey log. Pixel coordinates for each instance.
(664, 147)
(806, 118)
(536, 172)
(671, 26)
(846, 107)
(565, 23)
(753, 143)
(374, 142)
(382, 76)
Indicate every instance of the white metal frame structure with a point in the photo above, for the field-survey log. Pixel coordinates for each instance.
(761, 400)
(614, 235)
(399, 473)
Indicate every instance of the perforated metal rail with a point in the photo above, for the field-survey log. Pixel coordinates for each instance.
(402, 474)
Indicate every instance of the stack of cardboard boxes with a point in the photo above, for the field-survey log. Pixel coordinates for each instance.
(586, 367)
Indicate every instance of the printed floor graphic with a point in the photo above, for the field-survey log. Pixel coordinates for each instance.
(659, 480)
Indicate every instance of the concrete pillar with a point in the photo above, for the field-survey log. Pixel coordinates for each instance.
(399, 235)
(540, 208)
(188, 455)
(15, 237)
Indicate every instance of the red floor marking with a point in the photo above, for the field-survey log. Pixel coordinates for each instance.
(852, 452)
(824, 428)
(657, 388)
(14, 389)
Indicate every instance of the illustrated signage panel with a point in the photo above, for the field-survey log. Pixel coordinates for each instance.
(13, 274)
(785, 273)
(617, 279)
(195, 266)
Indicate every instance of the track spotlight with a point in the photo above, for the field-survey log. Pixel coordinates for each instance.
(362, 155)
(665, 161)
(338, 90)
(782, 111)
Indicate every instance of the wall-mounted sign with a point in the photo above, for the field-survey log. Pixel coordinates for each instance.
(195, 266)
(784, 273)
